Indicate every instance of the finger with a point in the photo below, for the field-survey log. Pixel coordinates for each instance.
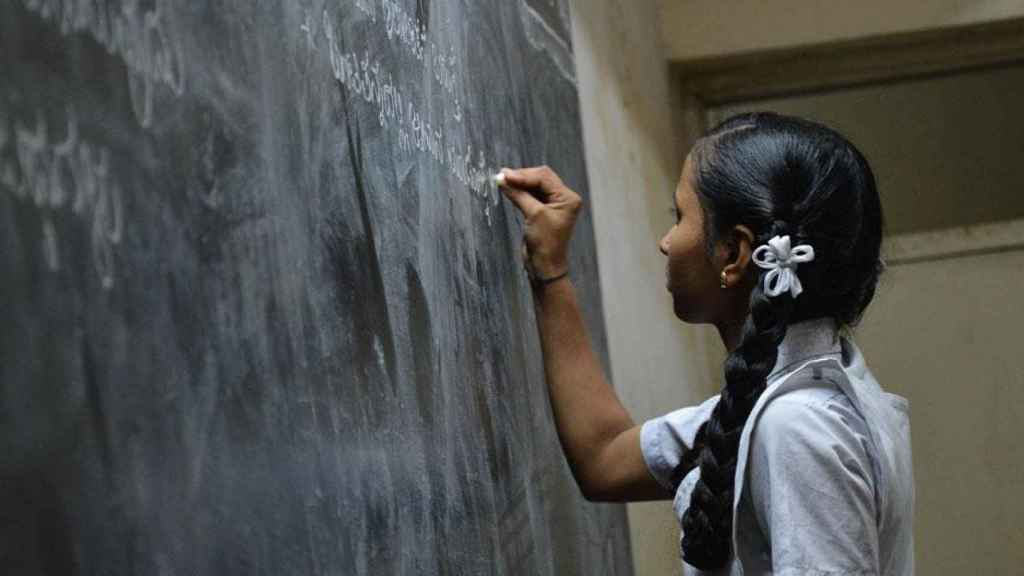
(523, 200)
(536, 179)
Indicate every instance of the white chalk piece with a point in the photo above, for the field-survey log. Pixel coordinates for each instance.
(498, 179)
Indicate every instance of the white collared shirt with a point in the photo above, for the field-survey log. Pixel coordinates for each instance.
(824, 480)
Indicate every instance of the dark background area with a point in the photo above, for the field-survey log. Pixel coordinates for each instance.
(247, 330)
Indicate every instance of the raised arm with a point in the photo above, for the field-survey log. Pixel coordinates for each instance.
(600, 440)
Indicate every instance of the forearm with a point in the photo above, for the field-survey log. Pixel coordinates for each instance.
(587, 412)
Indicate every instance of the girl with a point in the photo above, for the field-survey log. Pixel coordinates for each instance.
(802, 464)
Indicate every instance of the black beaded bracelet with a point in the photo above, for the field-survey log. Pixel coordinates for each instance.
(539, 282)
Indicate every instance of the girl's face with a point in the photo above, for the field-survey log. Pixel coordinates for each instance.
(692, 277)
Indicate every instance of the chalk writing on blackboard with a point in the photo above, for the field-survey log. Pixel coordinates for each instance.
(64, 173)
(138, 36)
(398, 110)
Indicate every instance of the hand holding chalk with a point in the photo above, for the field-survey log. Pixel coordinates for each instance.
(550, 209)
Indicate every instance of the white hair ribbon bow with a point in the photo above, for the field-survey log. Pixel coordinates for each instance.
(782, 260)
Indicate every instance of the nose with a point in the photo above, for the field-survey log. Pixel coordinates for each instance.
(663, 245)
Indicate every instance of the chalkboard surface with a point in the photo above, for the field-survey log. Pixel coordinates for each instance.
(261, 312)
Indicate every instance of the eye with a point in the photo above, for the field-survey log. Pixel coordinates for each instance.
(676, 214)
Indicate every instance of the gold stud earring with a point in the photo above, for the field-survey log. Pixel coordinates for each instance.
(723, 280)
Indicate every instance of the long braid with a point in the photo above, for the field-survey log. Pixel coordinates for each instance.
(707, 523)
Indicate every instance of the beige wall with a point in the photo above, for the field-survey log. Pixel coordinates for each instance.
(946, 335)
(658, 363)
(695, 29)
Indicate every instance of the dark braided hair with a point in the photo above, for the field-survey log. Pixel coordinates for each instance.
(777, 175)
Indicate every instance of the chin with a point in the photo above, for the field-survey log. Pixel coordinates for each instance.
(685, 316)
(690, 313)
(682, 312)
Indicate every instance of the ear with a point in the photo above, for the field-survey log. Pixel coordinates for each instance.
(738, 246)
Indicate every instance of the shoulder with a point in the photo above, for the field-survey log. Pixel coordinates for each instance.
(810, 403)
(813, 393)
(813, 427)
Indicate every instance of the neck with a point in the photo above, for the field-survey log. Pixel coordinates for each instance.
(730, 333)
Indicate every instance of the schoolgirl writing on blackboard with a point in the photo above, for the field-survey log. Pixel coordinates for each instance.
(802, 464)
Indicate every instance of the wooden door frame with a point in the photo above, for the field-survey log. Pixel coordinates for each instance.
(710, 82)
(707, 83)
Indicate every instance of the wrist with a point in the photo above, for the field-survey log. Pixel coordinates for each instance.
(545, 268)
(543, 271)
(538, 283)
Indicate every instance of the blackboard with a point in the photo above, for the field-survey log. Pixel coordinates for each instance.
(262, 314)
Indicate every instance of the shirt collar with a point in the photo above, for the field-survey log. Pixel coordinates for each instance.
(806, 341)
